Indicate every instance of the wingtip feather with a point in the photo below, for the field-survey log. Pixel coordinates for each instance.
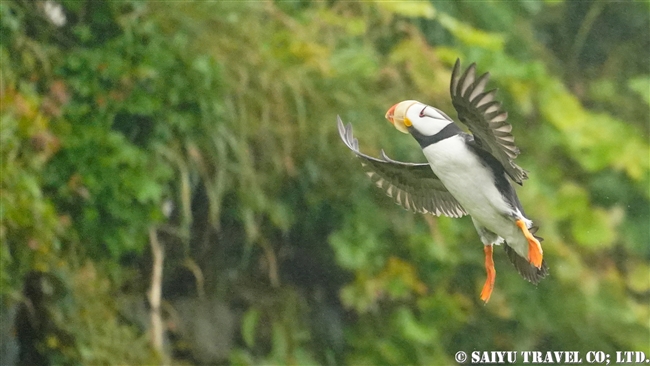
(468, 79)
(454, 77)
(479, 86)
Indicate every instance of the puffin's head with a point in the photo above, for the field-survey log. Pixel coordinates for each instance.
(426, 119)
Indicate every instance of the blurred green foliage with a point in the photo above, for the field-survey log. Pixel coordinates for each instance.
(225, 111)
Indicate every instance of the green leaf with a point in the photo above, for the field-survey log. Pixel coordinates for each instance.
(411, 9)
(470, 35)
(641, 85)
(411, 328)
(280, 339)
(249, 325)
(594, 228)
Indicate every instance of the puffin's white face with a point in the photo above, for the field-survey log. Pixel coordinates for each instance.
(426, 119)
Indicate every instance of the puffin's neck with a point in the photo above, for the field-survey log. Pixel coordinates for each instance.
(425, 140)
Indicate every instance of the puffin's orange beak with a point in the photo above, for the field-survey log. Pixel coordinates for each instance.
(397, 115)
(391, 113)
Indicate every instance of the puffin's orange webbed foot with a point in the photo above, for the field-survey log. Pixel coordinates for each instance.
(491, 274)
(535, 252)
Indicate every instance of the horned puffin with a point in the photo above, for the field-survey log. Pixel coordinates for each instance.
(466, 174)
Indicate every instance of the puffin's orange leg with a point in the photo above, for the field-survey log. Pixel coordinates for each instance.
(535, 252)
(491, 274)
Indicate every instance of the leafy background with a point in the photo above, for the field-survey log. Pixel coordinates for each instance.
(208, 128)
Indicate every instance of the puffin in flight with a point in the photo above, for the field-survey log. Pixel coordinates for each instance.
(466, 174)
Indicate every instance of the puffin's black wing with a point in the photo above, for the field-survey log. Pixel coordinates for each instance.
(484, 117)
(413, 186)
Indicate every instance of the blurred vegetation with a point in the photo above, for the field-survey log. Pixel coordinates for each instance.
(213, 125)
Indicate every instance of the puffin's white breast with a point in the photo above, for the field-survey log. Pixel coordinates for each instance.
(472, 184)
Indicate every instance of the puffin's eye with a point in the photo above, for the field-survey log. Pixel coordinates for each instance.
(422, 111)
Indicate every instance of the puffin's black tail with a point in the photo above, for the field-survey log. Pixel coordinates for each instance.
(529, 272)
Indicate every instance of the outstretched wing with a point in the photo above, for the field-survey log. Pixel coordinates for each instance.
(413, 186)
(484, 117)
